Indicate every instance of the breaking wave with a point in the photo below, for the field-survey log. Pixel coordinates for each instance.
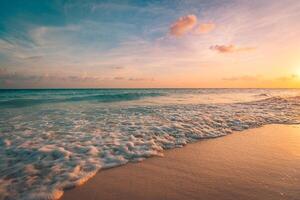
(105, 98)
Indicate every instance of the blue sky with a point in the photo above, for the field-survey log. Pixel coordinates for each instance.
(187, 43)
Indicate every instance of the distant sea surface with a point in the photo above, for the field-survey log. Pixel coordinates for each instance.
(54, 139)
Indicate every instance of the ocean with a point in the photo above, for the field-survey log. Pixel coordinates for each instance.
(55, 139)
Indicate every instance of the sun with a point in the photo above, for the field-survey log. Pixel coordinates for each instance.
(297, 72)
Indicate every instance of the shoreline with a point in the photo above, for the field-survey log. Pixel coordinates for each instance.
(260, 163)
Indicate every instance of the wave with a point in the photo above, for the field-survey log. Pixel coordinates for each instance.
(45, 151)
(104, 98)
(262, 95)
(24, 102)
(114, 97)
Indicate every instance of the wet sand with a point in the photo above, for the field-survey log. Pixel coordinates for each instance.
(262, 163)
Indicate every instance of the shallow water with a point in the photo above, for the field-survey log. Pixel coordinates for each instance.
(51, 140)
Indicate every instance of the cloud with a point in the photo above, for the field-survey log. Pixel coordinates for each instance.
(117, 67)
(15, 77)
(19, 79)
(118, 78)
(259, 78)
(187, 24)
(33, 57)
(141, 79)
(230, 48)
(242, 78)
(205, 28)
(183, 25)
(288, 78)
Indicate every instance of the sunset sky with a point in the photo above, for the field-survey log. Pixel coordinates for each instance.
(171, 43)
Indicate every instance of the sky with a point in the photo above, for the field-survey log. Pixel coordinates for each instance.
(149, 44)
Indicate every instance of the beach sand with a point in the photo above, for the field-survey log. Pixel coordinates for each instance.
(262, 163)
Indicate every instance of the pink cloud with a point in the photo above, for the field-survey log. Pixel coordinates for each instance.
(205, 28)
(183, 25)
(230, 48)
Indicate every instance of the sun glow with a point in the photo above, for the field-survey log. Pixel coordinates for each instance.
(297, 70)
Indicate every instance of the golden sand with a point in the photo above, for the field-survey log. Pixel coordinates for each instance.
(256, 164)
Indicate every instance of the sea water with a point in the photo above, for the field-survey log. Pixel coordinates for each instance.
(55, 139)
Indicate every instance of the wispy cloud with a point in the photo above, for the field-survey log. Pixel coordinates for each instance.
(19, 80)
(242, 78)
(118, 78)
(230, 48)
(17, 77)
(292, 77)
(117, 67)
(205, 28)
(141, 79)
(269, 81)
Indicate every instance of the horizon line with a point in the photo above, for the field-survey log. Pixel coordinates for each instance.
(116, 88)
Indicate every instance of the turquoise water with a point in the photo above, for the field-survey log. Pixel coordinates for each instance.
(23, 98)
(55, 139)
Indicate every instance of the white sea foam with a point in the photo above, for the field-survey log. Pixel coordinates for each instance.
(46, 150)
